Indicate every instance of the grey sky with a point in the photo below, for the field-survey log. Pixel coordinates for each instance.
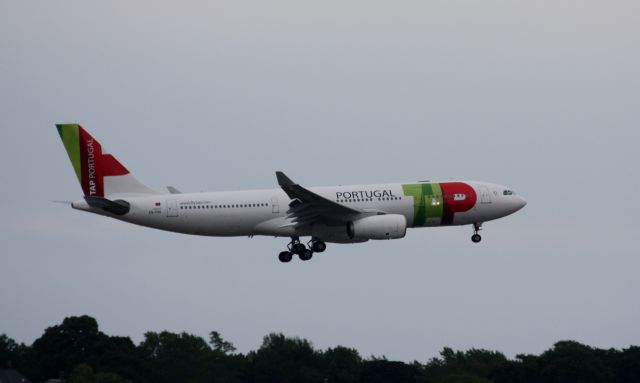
(543, 96)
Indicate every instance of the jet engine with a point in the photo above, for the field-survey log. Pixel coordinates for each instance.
(387, 226)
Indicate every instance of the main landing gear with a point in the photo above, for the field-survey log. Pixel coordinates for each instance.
(475, 238)
(304, 253)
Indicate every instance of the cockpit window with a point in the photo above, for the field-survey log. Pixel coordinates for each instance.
(508, 192)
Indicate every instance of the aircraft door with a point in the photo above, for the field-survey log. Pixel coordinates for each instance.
(275, 207)
(485, 196)
(172, 208)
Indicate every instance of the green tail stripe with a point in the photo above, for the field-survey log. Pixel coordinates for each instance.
(70, 135)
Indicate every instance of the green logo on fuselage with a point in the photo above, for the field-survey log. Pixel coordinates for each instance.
(427, 201)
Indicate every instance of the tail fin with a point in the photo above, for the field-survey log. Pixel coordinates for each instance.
(99, 173)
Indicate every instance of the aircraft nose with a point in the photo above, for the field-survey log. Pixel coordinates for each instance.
(520, 203)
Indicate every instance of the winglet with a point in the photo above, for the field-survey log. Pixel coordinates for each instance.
(283, 180)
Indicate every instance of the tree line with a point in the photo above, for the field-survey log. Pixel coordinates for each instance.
(77, 351)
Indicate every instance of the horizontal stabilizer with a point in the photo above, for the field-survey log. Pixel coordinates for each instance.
(173, 190)
(117, 207)
(61, 201)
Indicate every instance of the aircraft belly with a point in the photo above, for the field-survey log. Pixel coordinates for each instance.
(198, 223)
(230, 225)
(465, 218)
(432, 221)
(278, 227)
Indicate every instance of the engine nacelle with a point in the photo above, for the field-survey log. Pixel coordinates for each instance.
(387, 226)
(334, 234)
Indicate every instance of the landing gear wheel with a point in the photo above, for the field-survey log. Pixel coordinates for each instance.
(319, 246)
(305, 255)
(298, 248)
(285, 256)
(475, 238)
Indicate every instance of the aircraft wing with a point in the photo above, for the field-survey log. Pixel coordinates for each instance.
(308, 207)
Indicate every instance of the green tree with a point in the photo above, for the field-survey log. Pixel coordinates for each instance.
(62, 347)
(119, 355)
(524, 369)
(83, 373)
(8, 351)
(342, 365)
(459, 366)
(627, 365)
(183, 357)
(78, 340)
(381, 370)
(570, 361)
(465, 378)
(219, 344)
(285, 360)
(225, 366)
(110, 377)
(78, 349)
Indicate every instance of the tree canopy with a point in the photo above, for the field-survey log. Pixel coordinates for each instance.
(76, 350)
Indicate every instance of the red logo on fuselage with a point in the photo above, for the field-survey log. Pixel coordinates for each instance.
(458, 197)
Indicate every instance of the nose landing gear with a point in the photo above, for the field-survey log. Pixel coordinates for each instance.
(304, 253)
(475, 238)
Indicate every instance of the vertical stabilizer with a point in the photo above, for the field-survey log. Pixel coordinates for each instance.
(100, 174)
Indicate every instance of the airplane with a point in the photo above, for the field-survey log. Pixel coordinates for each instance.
(335, 214)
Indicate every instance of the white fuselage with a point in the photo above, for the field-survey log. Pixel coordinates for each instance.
(264, 212)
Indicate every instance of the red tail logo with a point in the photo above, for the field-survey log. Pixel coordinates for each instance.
(96, 165)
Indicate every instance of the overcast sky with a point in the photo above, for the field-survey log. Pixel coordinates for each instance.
(542, 96)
